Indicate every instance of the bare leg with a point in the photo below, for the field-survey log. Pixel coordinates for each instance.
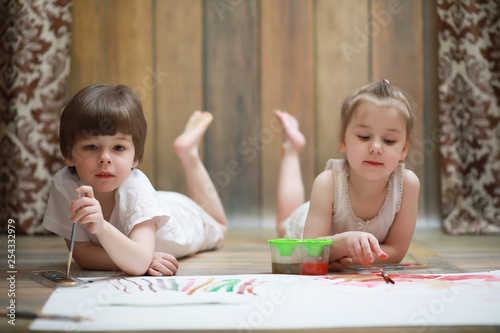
(200, 186)
(291, 193)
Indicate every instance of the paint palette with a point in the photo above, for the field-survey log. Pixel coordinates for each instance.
(389, 267)
(54, 278)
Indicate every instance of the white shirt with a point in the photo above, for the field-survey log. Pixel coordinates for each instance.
(189, 229)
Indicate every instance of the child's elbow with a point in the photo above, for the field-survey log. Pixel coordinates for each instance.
(140, 268)
(396, 258)
(137, 270)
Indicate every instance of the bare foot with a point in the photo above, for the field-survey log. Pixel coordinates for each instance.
(187, 143)
(293, 138)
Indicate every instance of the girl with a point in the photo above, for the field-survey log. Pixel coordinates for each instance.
(367, 202)
(123, 223)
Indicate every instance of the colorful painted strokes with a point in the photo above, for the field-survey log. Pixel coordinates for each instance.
(188, 286)
(410, 283)
(276, 301)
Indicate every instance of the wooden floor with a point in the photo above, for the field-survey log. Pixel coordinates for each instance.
(245, 252)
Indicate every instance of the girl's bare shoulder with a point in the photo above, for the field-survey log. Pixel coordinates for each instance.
(411, 182)
(325, 180)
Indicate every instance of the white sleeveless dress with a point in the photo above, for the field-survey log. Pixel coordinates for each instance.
(343, 218)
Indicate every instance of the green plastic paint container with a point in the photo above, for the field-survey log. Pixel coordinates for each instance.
(315, 256)
(300, 256)
(286, 256)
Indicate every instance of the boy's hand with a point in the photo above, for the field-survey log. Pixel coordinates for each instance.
(163, 264)
(87, 210)
(362, 245)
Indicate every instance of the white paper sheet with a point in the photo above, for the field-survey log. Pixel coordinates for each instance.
(247, 302)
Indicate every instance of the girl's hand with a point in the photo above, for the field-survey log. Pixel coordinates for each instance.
(362, 245)
(163, 264)
(87, 210)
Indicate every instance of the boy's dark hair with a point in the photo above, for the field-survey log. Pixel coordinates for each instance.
(103, 110)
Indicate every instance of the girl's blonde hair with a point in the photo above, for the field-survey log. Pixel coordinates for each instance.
(377, 94)
(103, 110)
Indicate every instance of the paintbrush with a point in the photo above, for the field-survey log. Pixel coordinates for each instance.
(33, 315)
(386, 277)
(73, 233)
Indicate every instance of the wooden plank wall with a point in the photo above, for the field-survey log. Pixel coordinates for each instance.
(231, 68)
(287, 42)
(241, 60)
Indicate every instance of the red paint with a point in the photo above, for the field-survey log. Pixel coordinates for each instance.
(364, 278)
(309, 268)
(188, 285)
(65, 280)
(486, 278)
(244, 285)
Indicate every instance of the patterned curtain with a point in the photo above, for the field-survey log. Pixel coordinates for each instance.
(34, 69)
(469, 102)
